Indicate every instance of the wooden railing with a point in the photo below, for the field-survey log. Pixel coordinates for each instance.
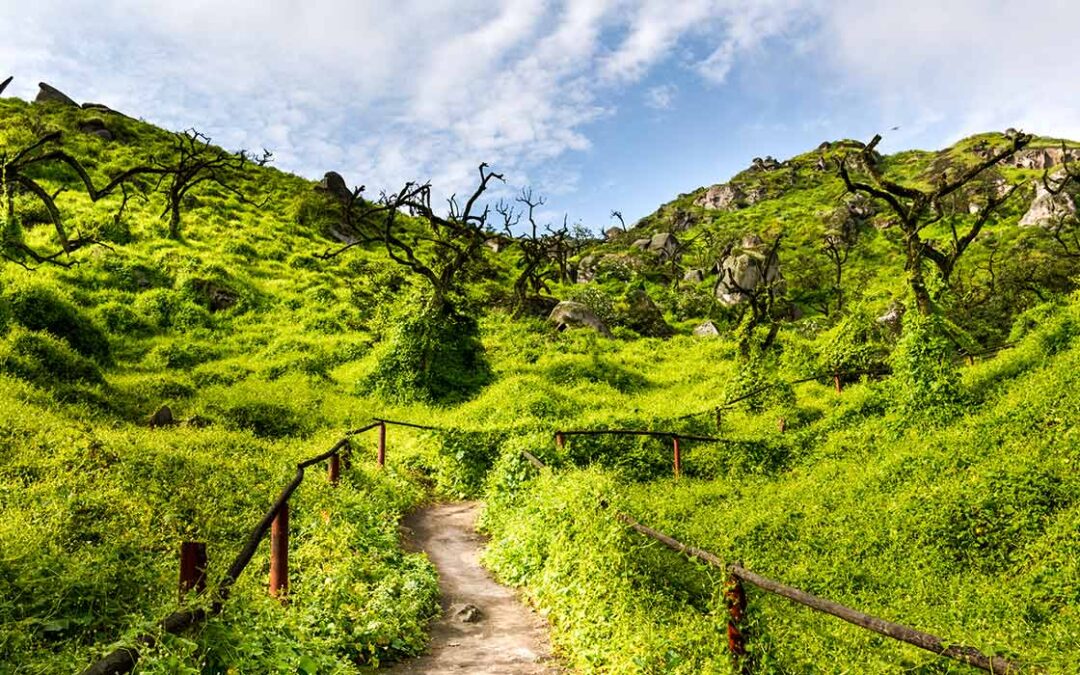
(735, 598)
(275, 522)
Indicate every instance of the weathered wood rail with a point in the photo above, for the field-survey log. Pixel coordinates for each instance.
(275, 522)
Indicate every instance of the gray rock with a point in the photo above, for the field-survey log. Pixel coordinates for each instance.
(50, 94)
(893, 317)
(335, 185)
(722, 198)
(707, 329)
(569, 314)
(1048, 208)
(746, 271)
(644, 317)
(642, 244)
(96, 127)
(665, 245)
(695, 276)
(613, 233)
(466, 613)
(1042, 158)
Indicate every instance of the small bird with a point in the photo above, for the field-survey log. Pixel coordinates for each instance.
(894, 128)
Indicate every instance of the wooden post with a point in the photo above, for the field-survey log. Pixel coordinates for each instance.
(781, 424)
(382, 444)
(735, 596)
(192, 567)
(279, 552)
(346, 455)
(678, 457)
(836, 381)
(971, 360)
(560, 441)
(334, 471)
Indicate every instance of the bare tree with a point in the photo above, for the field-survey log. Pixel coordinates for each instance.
(839, 240)
(916, 209)
(617, 215)
(5, 83)
(195, 162)
(538, 250)
(436, 248)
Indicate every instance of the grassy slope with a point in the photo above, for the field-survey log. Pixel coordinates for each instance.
(281, 373)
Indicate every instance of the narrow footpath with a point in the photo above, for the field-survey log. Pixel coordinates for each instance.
(484, 629)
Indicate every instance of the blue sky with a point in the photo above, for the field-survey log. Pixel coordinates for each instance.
(598, 104)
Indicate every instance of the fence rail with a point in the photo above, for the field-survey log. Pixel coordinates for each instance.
(735, 597)
(275, 522)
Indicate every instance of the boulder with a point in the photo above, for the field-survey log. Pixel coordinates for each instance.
(1042, 158)
(722, 198)
(893, 317)
(613, 233)
(96, 127)
(586, 269)
(333, 184)
(466, 613)
(683, 220)
(218, 297)
(644, 317)
(707, 329)
(695, 276)
(162, 418)
(50, 94)
(498, 243)
(642, 244)
(538, 306)
(569, 314)
(665, 245)
(1048, 208)
(821, 164)
(756, 195)
(746, 271)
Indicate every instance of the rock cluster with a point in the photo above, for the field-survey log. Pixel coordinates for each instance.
(569, 314)
(747, 271)
(1048, 208)
(724, 197)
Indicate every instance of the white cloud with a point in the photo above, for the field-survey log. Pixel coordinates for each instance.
(661, 97)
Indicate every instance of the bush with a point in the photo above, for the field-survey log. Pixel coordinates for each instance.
(166, 308)
(924, 378)
(44, 360)
(119, 317)
(431, 357)
(38, 308)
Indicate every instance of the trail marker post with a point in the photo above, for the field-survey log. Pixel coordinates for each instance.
(677, 460)
(382, 444)
(279, 552)
(192, 567)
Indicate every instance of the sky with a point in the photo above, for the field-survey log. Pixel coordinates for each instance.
(598, 105)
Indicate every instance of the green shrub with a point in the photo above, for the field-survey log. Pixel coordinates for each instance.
(166, 308)
(39, 308)
(44, 360)
(925, 379)
(119, 317)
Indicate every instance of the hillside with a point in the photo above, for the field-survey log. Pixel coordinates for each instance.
(938, 488)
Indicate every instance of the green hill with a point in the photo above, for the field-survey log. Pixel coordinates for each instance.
(932, 491)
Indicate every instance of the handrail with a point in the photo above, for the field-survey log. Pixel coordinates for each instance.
(633, 432)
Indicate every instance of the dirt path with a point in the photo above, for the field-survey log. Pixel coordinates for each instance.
(483, 628)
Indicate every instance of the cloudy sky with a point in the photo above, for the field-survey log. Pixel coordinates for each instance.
(598, 104)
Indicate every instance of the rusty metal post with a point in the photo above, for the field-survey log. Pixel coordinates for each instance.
(678, 457)
(382, 444)
(735, 596)
(560, 441)
(192, 567)
(334, 471)
(279, 552)
(836, 381)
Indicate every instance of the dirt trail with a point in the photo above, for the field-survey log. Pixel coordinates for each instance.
(503, 636)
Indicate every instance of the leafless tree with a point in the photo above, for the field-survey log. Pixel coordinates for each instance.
(5, 83)
(916, 209)
(617, 215)
(839, 240)
(540, 251)
(435, 247)
(193, 161)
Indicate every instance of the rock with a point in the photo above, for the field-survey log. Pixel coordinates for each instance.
(821, 165)
(644, 317)
(746, 272)
(1042, 158)
(1048, 208)
(162, 418)
(218, 297)
(569, 314)
(722, 198)
(694, 276)
(683, 220)
(665, 245)
(538, 306)
(335, 185)
(642, 244)
(96, 127)
(893, 317)
(756, 195)
(5, 83)
(466, 613)
(498, 243)
(707, 329)
(613, 233)
(586, 270)
(50, 94)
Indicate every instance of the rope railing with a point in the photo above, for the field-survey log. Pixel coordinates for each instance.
(275, 522)
(735, 598)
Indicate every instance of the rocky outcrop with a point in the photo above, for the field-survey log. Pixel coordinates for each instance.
(1048, 208)
(767, 164)
(569, 314)
(50, 94)
(586, 269)
(746, 271)
(644, 317)
(334, 185)
(613, 233)
(707, 329)
(724, 197)
(1042, 158)
(893, 317)
(695, 276)
(665, 245)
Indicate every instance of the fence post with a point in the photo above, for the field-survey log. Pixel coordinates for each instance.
(560, 441)
(836, 381)
(781, 424)
(735, 596)
(279, 552)
(334, 471)
(382, 444)
(678, 457)
(346, 455)
(192, 567)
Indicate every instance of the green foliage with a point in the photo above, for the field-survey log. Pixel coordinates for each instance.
(40, 308)
(925, 379)
(43, 359)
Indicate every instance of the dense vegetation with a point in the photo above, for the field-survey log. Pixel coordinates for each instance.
(930, 491)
